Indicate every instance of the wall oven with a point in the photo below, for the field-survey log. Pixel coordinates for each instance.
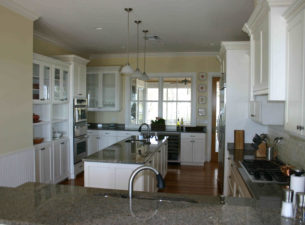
(80, 148)
(80, 110)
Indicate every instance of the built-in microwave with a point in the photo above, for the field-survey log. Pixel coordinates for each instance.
(80, 110)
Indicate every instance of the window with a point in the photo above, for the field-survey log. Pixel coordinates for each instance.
(170, 97)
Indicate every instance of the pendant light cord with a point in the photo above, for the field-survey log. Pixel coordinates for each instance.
(145, 31)
(128, 37)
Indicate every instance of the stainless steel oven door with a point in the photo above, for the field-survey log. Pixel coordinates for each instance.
(80, 129)
(80, 148)
(80, 114)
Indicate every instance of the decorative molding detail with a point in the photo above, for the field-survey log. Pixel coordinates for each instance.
(294, 8)
(234, 46)
(154, 54)
(71, 59)
(55, 42)
(19, 9)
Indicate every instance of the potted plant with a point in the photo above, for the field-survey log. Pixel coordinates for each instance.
(158, 124)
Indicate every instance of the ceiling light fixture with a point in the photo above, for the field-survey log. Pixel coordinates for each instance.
(99, 28)
(144, 75)
(138, 72)
(127, 69)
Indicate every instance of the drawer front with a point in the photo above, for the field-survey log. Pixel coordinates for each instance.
(193, 135)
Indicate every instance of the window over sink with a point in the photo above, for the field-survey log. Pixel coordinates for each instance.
(170, 96)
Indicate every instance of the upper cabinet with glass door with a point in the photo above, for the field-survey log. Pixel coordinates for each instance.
(41, 82)
(103, 88)
(60, 83)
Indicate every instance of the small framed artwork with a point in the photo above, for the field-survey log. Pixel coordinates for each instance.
(202, 88)
(202, 99)
(203, 75)
(202, 112)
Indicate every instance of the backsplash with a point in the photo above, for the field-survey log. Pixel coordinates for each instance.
(292, 149)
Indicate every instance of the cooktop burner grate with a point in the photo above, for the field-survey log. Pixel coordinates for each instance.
(265, 171)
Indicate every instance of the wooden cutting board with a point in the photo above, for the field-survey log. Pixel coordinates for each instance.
(239, 139)
(261, 151)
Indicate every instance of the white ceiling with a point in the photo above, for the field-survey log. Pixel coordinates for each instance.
(183, 25)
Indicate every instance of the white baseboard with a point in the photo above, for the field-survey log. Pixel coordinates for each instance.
(17, 167)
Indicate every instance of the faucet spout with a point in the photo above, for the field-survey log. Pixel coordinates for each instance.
(147, 131)
(160, 181)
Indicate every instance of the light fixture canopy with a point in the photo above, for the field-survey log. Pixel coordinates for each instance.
(127, 69)
(144, 74)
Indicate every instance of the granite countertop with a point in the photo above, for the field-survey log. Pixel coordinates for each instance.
(121, 127)
(35, 203)
(128, 152)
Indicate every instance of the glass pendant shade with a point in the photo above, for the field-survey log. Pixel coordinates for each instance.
(127, 69)
(144, 76)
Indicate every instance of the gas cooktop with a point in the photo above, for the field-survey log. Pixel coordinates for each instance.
(263, 171)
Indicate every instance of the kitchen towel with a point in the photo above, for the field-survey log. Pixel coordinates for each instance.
(297, 184)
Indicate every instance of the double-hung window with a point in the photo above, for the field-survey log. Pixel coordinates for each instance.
(170, 96)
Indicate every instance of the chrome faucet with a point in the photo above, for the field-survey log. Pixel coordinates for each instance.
(160, 181)
(147, 131)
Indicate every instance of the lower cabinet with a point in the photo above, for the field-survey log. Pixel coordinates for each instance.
(93, 144)
(116, 175)
(52, 161)
(237, 187)
(193, 147)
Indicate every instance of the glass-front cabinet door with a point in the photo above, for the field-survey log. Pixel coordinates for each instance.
(60, 84)
(103, 88)
(41, 82)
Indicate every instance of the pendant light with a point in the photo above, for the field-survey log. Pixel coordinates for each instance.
(144, 75)
(127, 68)
(138, 73)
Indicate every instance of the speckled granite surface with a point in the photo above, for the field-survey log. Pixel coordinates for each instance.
(58, 204)
(128, 152)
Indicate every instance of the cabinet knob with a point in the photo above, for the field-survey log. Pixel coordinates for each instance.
(298, 127)
(301, 128)
(42, 149)
(62, 143)
(80, 94)
(252, 115)
(42, 99)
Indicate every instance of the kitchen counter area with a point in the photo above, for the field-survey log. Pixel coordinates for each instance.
(35, 203)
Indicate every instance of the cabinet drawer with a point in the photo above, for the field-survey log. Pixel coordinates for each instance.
(193, 135)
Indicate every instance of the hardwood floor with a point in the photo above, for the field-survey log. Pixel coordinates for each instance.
(200, 180)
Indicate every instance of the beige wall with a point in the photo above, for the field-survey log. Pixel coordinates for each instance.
(16, 48)
(156, 65)
(47, 48)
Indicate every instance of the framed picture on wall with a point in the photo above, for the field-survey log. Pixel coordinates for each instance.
(203, 75)
(202, 112)
(202, 88)
(202, 99)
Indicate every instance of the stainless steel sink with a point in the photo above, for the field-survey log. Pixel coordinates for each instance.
(151, 198)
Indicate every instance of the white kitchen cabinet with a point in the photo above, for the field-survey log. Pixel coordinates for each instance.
(78, 69)
(295, 118)
(93, 144)
(103, 88)
(43, 162)
(60, 85)
(193, 147)
(41, 82)
(266, 113)
(60, 160)
(267, 30)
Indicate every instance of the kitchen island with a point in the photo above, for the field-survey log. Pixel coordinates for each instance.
(111, 167)
(35, 203)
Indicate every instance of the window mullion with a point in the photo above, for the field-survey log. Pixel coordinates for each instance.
(160, 100)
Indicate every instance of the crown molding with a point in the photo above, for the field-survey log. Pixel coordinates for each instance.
(41, 36)
(154, 54)
(234, 46)
(294, 9)
(19, 9)
(72, 58)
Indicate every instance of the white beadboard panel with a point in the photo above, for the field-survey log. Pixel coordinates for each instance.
(17, 168)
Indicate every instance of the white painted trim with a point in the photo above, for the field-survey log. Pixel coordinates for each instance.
(55, 42)
(154, 54)
(210, 111)
(234, 46)
(19, 9)
(294, 9)
(160, 75)
(72, 59)
(17, 151)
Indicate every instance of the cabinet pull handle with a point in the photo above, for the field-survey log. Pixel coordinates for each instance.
(301, 128)
(42, 149)
(298, 127)
(42, 99)
(252, 115)
(62, 143)
(80, 94)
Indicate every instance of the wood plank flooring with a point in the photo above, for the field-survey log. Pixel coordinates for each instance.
(200, 180)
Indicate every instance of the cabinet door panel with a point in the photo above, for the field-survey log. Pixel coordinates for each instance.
(82, 81)
(57, 160)
(93, 144)
(186, 150)
(198, 151)
(64, 159)
(295, 82)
